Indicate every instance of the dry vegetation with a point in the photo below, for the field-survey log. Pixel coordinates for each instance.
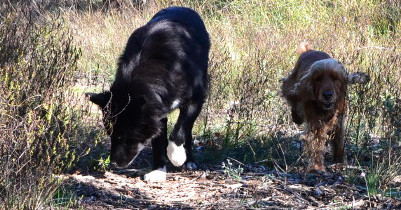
(51, 52)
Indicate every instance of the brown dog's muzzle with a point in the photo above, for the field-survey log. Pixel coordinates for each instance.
(328, 100)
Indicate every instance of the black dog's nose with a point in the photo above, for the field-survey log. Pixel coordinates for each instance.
(327, 95)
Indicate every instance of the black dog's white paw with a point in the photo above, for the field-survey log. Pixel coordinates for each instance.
(159, 175)
(176, 154)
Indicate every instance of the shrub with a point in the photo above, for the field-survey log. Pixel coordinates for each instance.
(40, 114)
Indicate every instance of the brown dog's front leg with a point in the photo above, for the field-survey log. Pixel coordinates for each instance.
(337, 145)
(315, 147)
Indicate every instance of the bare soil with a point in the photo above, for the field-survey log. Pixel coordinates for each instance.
(257, 188)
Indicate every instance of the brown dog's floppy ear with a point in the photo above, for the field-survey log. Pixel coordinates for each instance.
(303, 90)
(101, 99)
(358, 77)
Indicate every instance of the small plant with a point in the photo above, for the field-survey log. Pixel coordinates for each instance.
(103, 163)
(379, 176)
(64, 197)
(372, 183)
(231, 171)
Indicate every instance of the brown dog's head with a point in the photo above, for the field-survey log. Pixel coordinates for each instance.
(329, 81)
(325, 82)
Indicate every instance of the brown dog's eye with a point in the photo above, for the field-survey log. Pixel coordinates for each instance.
(335, 77)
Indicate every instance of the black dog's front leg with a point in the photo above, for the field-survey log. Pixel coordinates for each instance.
(159, 146)
(179, 148)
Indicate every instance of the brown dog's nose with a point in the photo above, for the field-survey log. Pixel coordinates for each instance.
(327, 95)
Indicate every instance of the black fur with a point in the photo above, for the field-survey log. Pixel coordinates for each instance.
(164, 61)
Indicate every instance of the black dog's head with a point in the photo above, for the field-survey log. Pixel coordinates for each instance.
(124, 123)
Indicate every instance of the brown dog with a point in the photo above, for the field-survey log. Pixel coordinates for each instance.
(316, 90)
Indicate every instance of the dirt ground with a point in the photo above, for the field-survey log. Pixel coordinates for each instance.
(257, 188)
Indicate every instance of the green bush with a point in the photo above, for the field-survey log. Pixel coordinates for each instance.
(40, 114)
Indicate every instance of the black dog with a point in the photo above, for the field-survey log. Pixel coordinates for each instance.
(163, 67)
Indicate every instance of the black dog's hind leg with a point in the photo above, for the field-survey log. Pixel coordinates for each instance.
(179, 149)
(159, 145)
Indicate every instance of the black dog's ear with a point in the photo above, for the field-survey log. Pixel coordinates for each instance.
(358, 77)
(101, 99)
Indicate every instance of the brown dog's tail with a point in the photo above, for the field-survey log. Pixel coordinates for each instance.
(303, 47)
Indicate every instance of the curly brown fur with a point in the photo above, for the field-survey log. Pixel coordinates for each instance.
(316, 91)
